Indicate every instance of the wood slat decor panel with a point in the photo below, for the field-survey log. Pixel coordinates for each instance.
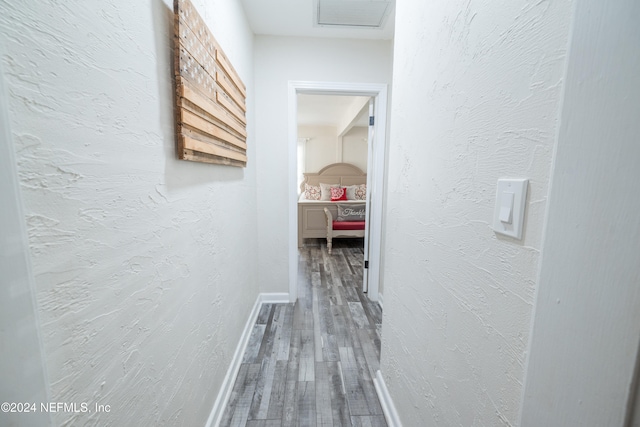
(211, 122)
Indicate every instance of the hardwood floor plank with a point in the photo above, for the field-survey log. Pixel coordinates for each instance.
(290, 415)
(306, 368)
(371, 397)
(356, 398)
(253, 347)
(350, 326)
(350, 291)
(361, 362)
(369, 350)
(348, 262)
(267, 341)
(340, 326)
(276, 404)
(293, 366)
(324, 414)
(375, 337)
(243, 405)
(368, 421)
(284, 343)
(330, 348)
(317, 334)
(326, 278)
(324, 312)
(263, 388)
(357, 314)
(306, 404)
(339, 406)
(264, 423)
(342, 267)
(302, 317)
(238, 388)
(372, 309)
(315, 278)
(356, 260)
(315, 258)
(335, 292)
(263, 315)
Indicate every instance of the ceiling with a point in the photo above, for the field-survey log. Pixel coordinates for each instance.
(332, 110)
(298, 18)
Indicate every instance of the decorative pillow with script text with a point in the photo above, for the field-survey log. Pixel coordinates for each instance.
(351, 213)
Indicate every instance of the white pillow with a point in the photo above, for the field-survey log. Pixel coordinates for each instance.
(325, 191)
(351, 192)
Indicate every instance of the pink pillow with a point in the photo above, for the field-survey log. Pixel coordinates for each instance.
(338, 193)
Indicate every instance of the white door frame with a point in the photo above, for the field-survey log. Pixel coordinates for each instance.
(379, 92)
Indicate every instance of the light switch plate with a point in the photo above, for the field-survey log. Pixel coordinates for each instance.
(507, 188)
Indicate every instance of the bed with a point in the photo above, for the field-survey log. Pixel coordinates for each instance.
(312, 221)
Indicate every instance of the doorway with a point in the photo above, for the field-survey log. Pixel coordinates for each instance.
(375, 172)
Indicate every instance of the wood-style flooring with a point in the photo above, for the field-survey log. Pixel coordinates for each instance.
(312, 363)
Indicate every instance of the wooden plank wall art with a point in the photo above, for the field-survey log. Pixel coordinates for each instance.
(211, 122)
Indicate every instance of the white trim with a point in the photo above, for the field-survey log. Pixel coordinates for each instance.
(234, 367)
(274, 298)
(371, 132)
(293, 193)
(381, 301)
(377, 192)
(389, 409)
(379, 92)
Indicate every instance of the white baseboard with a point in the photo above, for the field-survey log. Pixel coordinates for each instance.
(227, 385)
(389, 409)
(274, 298)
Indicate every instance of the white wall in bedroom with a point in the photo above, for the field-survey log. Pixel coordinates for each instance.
(145, 267)
(280, 60)
(322, 147)
(477, 88)
(354, 147)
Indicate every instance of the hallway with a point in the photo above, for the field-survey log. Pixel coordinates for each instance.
(312, 363)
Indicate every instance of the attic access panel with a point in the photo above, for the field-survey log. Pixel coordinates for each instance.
(352, 13)
(211, 122)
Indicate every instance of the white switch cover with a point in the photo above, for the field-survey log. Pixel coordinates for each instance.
(508, 216)
(506, 207)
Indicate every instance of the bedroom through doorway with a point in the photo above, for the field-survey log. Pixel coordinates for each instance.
(332, 133)
(332, 157)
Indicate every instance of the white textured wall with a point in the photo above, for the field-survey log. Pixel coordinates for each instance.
(587, 322)
(279, 60)
(145, 266)
(476, 94)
